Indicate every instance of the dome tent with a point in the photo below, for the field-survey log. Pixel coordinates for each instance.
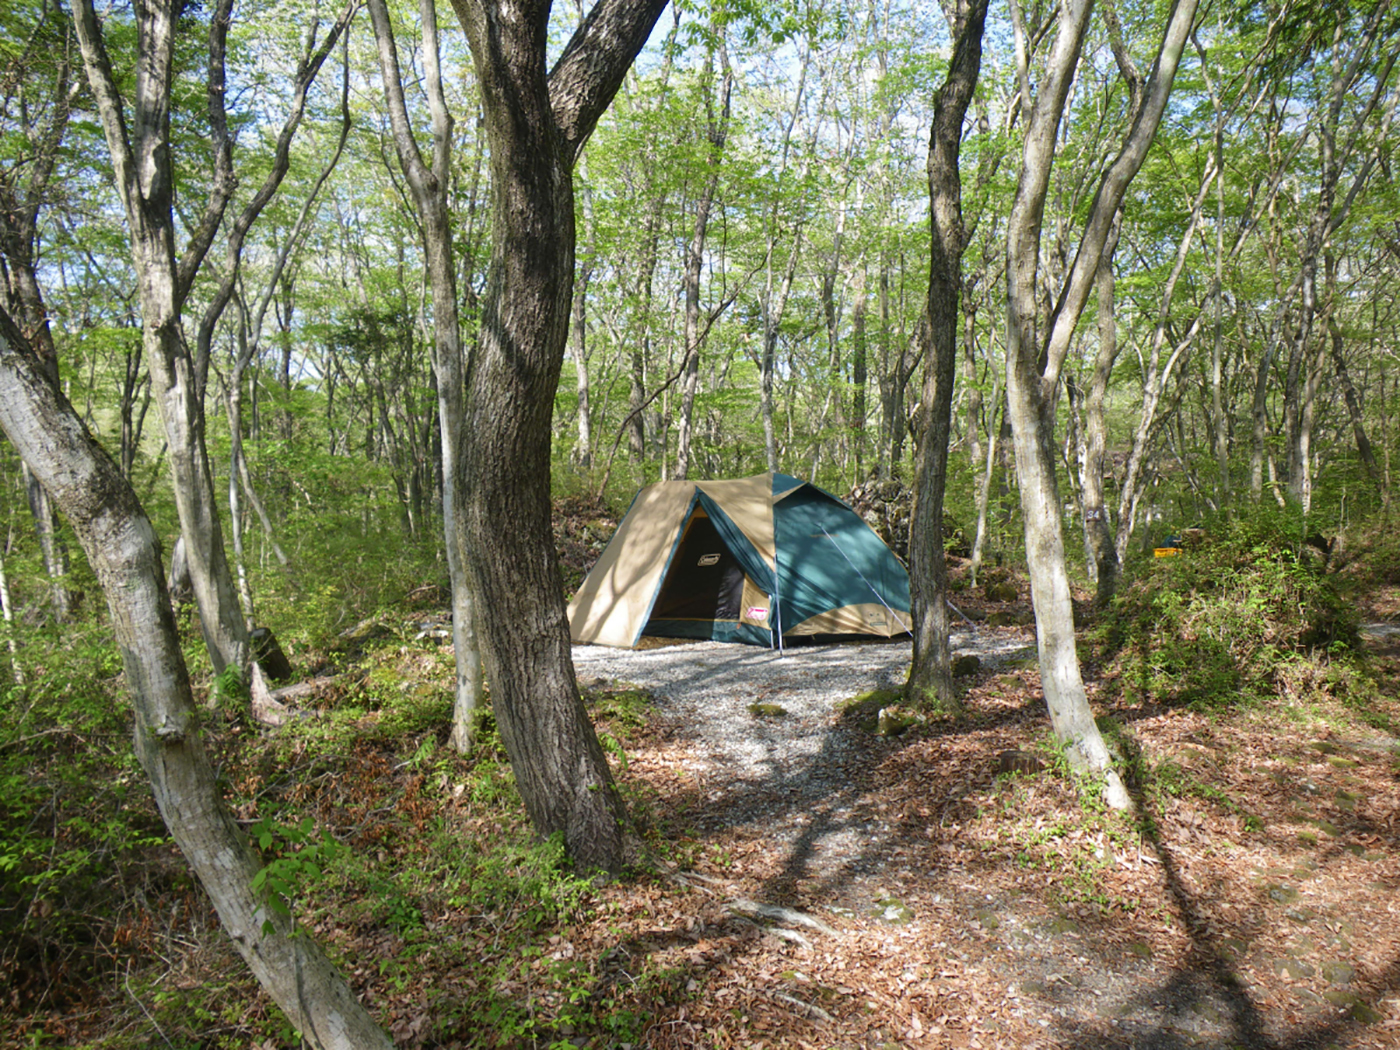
(753, 560)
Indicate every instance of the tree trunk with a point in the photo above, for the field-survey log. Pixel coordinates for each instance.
(429, 186)
(1098, 530)
(536, 123)
(931, 675)
(717, 132)
(860, 369)
(123, 550)
(25, 186)
(144, 171)
(582, 454)
(1353, 403)
(1033, 368)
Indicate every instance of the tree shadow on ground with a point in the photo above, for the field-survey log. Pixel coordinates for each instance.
(1209, 983)
(833, 796)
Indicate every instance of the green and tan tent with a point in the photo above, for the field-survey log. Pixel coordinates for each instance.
(754, 560)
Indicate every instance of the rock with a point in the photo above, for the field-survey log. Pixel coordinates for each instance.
(966, 665)
(894, 721)
(1014, 761)
(1011, 618)
(1338, 973)
(1000, 591)
(1234, 948)
(767, 710)
(1293, 969)
(1359, 1010)
(893, 912)
(364, 631)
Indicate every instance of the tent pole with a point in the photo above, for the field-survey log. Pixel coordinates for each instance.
(777, 600)
(863, 580)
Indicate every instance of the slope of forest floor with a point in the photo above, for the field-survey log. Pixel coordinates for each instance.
(952, 886)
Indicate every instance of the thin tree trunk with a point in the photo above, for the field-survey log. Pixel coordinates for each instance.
(583, 453)
(1033, 368)
(1098, 530)
(144, 174)
(984, 487)
(7, 613)
(429, 186)
(717, 133)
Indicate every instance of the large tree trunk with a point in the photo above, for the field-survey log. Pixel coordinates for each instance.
(124, 552)
(1033, 367)
(536, 124)
(930, 675)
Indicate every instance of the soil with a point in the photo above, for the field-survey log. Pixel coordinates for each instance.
(1251, 900)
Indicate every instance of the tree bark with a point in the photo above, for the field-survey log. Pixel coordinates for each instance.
(931, 675)
(24, 188)
(144, 170)
(536, 123)
(429, 186)
(124, 552)
(1098, 530)
(717, 131)
(1033, 367)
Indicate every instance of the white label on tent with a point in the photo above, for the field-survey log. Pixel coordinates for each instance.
(757, 612)
(709, 559)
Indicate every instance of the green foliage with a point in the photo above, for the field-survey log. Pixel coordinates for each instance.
(299, 857)
(77, 821)
(1229, 619)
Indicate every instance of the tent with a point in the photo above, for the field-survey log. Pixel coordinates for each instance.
(753, 560)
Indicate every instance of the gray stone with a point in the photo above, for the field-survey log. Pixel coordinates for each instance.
(1338, 973)
(893, 912)
(1015, 761)
(1294, 969)
(1000, 591)
(966, 665)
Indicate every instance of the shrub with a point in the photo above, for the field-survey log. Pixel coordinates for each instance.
(1229, 619)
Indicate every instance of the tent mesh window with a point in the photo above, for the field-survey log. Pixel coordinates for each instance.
(704, 581)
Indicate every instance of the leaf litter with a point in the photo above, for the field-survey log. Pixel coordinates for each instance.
(821, 885)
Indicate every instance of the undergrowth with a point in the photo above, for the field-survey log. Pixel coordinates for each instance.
(1246, 615)
(415, 866)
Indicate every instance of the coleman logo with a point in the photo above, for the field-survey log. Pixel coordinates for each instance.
(757, 612)
(708, 559)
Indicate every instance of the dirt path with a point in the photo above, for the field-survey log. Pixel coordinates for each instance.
(1253, 903)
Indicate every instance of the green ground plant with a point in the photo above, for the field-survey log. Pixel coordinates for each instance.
(1245, 615)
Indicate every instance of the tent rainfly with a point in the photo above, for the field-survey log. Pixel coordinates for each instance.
(753, 560)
